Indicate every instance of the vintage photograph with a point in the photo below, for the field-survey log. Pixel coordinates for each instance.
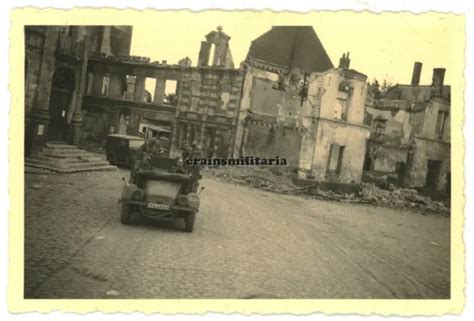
(239, 156)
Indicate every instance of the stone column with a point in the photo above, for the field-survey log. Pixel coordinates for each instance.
(188, 133)
(181, 134)
(202, 136)
(139, 88)
(160, 88)
(105, 46)
(76, 119)
(116, 85)
(217, 140)
(39, 121)
(97, 82)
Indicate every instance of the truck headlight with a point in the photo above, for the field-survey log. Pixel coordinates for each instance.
(137, 195)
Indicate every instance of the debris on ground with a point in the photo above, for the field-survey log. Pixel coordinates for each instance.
(400, 198)
(259, 177)
(265, 178)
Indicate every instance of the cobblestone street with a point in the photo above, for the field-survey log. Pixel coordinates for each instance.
(246, 244)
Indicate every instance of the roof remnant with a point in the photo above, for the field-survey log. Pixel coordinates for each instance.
(291, 47)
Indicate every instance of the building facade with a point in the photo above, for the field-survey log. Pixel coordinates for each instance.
(203, 107)
(334, 143)
(273, 114)
(56, 60)
(297, 106)
(410, 132)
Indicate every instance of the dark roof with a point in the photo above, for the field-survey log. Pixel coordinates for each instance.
(291, 46)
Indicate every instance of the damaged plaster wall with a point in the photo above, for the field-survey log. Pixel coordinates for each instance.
(338, 97)
(411, 125)
(268, 140)
(271, 100)
(353, 139)
(385, 158)
(428, 150)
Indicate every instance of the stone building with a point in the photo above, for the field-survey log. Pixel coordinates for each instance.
(296, 105)
(208, 99)
(116, 101)
(82, 84)
(203, 107)
(334, 142)
(273, 115)
(56, 61)
(410, 132)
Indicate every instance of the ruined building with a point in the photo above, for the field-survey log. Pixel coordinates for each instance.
(56, 62)
(334, 142)
(208, 99)
(203, 107)
(296, 105)
(82, 84)
(410, 132)
(217, 44)
(286, 100)
(272, 118)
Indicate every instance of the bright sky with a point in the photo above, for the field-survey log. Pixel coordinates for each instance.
(383, 46)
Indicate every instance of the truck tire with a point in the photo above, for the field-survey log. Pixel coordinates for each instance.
(189, 220)
(125, 215)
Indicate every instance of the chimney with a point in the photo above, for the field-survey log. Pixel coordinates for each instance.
(415, 78)
(438, 80)
(344, 61)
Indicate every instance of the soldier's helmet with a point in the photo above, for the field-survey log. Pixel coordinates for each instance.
(152, 141)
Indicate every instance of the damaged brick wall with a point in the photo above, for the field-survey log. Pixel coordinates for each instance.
(208, 109)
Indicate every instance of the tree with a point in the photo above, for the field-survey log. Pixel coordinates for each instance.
(376, 91)
(171, 99)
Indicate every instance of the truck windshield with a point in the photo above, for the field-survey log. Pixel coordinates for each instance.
(135, 143)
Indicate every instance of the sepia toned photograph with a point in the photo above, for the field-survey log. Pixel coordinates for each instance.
(240, 155)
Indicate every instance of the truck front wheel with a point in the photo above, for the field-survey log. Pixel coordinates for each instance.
(125, 215)
(189, 222)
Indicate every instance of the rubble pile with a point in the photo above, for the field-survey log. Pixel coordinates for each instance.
(396, 197)
(262, 178)
(400, 198)
(368, 193)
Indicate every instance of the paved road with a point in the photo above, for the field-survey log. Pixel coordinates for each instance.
(246, 244)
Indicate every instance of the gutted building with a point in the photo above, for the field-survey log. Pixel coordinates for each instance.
(116, 100)
(194, 103)
(334, 143)
(410, 132)
(56, 59)
(82, 84)
(208, 99)
(273, 113)
(297, 106)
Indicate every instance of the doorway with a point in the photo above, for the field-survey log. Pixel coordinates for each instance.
(62, 89)
(432, 176)
(336, 153)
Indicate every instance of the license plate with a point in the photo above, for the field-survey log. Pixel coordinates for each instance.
(156, 206)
